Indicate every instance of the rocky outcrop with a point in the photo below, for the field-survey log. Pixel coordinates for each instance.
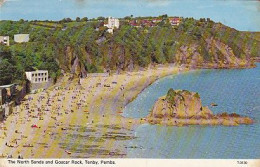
(211, 53)
(71, 63)
(181, 107)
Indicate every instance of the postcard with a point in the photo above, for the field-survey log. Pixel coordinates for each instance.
(130, 83)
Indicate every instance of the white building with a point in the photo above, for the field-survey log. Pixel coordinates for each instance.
(4, 40)
(19, 38)
(112, 23)
(110, 30)
(38, 76)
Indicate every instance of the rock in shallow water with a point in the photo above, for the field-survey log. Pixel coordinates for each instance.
(182, 107)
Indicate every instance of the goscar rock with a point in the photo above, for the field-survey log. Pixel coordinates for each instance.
(182, 107)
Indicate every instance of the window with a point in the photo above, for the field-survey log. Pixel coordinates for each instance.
(33, 75)
(35, 79)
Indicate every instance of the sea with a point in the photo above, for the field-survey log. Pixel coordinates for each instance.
(234, 90)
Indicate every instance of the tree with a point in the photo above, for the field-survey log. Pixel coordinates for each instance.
(127, 18)
(7, 71)
(68, 20)
(21, 20)
(165, 16)
(100, 18)
(77, 19)
(84, 19)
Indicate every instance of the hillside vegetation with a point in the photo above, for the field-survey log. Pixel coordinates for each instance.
(82, 47)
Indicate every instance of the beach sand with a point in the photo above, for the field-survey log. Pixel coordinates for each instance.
(72, 120)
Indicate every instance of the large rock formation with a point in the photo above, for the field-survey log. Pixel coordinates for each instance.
(181, 107)
(211, 53)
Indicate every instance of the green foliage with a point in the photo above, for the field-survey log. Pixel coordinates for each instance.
(77, 19)
(101, 18)
(84, 19)
(170, 97)
(197, 95)
(97, 49)
(9, 69)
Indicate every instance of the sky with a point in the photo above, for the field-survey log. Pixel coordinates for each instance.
(239, 14)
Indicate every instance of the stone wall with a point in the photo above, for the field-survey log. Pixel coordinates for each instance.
(44, 85)
(97, 74)
(6, 110)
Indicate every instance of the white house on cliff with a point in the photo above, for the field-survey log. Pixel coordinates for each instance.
(112, 23)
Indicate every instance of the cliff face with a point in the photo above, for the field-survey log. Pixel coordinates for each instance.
(208, 52)
(211, 53)
(182, 107)
(72, 63)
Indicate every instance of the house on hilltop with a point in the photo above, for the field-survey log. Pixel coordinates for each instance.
(157, 20)
(20, 38)
(4, 40)
(134, 23)
(174, 21)
(112, 23)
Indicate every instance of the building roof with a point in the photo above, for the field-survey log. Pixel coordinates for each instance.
(21, 34)
(21, 38)
(7, 86)
(38, 71)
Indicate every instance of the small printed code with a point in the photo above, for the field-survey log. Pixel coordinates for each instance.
(242, 162)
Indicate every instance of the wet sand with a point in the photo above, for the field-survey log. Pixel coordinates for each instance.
(72, 120)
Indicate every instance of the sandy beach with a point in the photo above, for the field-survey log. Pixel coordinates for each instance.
(72, 120)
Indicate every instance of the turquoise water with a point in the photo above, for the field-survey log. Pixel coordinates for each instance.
(233, 90)
(239, 14)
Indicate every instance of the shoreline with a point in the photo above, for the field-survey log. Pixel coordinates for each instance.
(2, 2)
(76, 118)
(94, 107)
